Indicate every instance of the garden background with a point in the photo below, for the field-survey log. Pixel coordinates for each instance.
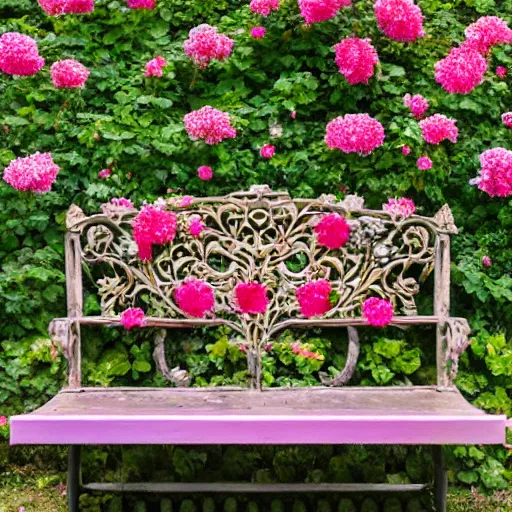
(134, 126)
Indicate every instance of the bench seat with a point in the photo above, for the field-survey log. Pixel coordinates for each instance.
(393, 415)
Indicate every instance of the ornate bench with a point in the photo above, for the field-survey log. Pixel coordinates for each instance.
(250, 237)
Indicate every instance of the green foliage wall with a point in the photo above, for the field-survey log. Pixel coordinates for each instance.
(134, 126)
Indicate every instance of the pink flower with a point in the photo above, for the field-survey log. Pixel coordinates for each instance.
(19, 55)
(314, 11)
(461, 71)
(332, 231)
(209, 124)
(122, 202)
(251, 297)
(400, 20)
(155, 67)
(293, 114)
(205, 173)
(141, 4)
(495, 176)
(424, 163)
(264, 7)
(34, 173)
(258, 32)
(242, 348)
(267, 151)
(486, 261)
(185, 201)
(406, 150)
(356, 59)
(205, 44)
(195, 297)
(487, 32)
(501, 72)
(133, 317)
(313, 298)
(69, 74)
(401, 207)
(378, 312)
(153, 225)
(104, 173)
(507, 119)
(437, 128)
(354, 133)
(417, 103)
(196, 225)
(3, 421)
(56, 7)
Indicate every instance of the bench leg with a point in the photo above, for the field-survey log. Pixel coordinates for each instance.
(73, 477)
(440, 479)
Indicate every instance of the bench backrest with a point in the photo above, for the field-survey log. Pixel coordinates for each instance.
(266, 237)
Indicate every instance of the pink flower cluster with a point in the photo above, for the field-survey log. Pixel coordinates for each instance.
(461, 71)
(57, 7)
(205, 44)
(332, 231)
(121, 202)
(133, 317)
(314, 11)
(486, 261)
(417, 103)
(19, 55)
(401, 207)
(507, 119)
(501, 71)
(185, 201)
(195, 225)
(251, 298)
(495, 176)
(205, 173)
(354, 133)
(267, 151)
(69, 74)
(356, 59)
(406, 150)
(258, 32)
(153, 225)
(141, 4)
(400, 20)
(487, 32)
(155, 67)
(104, 173)
(313, 298)
(3, 421)
(264, 7)
(378, 312)
(424, 163)
(34, 173)
(195, 297)
(437, 128)
(300, 350)
(209, 124)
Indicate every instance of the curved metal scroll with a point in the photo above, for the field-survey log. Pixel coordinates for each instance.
(177, 376)
(350, 365)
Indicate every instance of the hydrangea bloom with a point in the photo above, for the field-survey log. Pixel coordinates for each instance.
(487, 32)
(155, 67)
(267, 151)
(486, 261)
(153, 225)
(507, 119)
(205, 44)
(354, 133)
(501, 72)
(121, 202)
(400, 20)
(264, 7)
(378, 312)
(133, 317)
(437, 128)
(417, 103)
(495, 176)
(209, 124)
(141, 4)
(332, 231)
(314, 11)
(401, 207)
(356, 59)
(56, 7)
(195, 297)
(251, 297)
(205, 172)
(195, 225)
(69, 74)
(461, 71)
(424, 163)
(104, 173)
(406, 150)
(313, 298)
(19, 55)
(258, 32)
(34, 173)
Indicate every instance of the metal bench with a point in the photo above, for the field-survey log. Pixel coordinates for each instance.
(254, 234)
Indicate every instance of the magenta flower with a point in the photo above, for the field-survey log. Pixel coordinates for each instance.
(437, 128)
(417, 103)
(141, 4)
(486, 32)
(3, 421)
(19, 55)
(486, 261)
(195, 297)
(501, 72)
(258, 32)
(104, 173)
(185, 201)
(313, 298)
(356, 59)
(122, 202)
(495, 176)
(133, 317)
(251, 298)
(69, 74)
(507, 119)
(406, 150)
(267, 151)
(332, 231)
(293, 114)
(264, 7)
(205, 44)
(378, 312)
(400, 20)
(34, 173)
(205, 173)
(155, 67)
(58, 7)
(314, 11)
(401, 207)
(196, 225)
(209, 124)
(424, 163)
